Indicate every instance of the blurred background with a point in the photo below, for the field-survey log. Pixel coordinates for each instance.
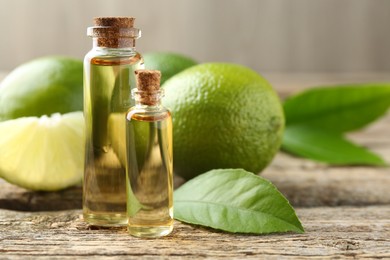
(267, 35)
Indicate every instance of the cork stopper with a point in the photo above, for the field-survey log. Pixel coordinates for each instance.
(148, 86)
(120, 22)
(114, 32)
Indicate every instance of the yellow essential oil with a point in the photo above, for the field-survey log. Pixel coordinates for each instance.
(150, 160)
(108, 79)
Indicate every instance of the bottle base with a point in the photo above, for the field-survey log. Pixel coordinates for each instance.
(149, 231)
(105, 219)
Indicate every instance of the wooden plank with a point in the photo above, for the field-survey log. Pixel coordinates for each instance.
(346, 232)
(288, 83)
(307, 183)
(331, 232)
(16, 198)
(303, 182)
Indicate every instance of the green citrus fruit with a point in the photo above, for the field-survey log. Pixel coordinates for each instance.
(117, 124)
(42, 87)
(45, 153)
(168, 63)
(224, 116)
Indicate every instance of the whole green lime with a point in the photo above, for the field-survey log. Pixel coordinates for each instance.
(168, 63)
(224, 116)
(42, 87)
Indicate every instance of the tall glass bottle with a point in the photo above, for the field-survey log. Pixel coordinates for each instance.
(149, 156)
(108, 79)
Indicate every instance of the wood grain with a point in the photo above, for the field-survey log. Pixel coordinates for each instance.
(274, 35)
(357, 225)
(310, 184)
(341, 232)
(305, 183)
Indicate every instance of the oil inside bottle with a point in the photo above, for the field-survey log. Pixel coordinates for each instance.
(107, 98)
(150, 174)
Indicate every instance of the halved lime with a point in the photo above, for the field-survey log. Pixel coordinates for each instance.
(45, 153)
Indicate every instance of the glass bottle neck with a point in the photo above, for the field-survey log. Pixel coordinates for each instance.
(156, 105)
(113, 43)
(147, 99)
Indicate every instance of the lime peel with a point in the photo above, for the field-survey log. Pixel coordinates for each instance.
(45, 153)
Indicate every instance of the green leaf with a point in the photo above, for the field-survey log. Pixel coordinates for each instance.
(339, 109)
(235, 200)
(323, 146)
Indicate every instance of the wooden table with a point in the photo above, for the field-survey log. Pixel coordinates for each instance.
(345, 210)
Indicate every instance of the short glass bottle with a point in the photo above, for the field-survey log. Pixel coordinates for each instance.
(150, 160)
(108, 80)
